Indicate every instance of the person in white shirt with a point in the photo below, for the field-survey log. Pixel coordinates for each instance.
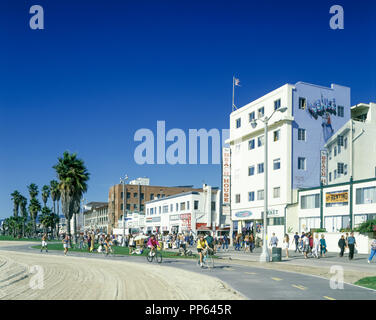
(316, 246)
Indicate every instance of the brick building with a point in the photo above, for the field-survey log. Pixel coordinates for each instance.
(136, 196)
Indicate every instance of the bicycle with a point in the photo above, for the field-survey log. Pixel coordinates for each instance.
(207, 260)
(157, 256)
(185, 252)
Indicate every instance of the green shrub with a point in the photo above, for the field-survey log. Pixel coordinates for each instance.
(367, 226)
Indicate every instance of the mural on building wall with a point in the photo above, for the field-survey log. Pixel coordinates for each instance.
(323, 108)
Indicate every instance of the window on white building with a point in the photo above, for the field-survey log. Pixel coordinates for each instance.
(302, 103)
(335, 174)
(340, 111)
(251, 196)
(237, 198)
(345, 143)
(251, 170)
(171, 207)
(251, 116)
(195, 205)
(238, 123)
(251, 144)
(276, 192)
(277, 164)
(340, 168)
(260, 195)
(366, 195)
(260, 141)
(335, 151)
(260, 168)
(277, 104)
(301, 163)
(301, 134)
(165, 209)
(276, 135)
(310, 201)
(187, 205)
(260, 112)
(182, 206)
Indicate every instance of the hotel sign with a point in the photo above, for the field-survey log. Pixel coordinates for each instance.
(324, 167)
(226, 172)
(337, 197)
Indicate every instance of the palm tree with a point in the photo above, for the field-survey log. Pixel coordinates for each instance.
(45, 194)
(34, 208)
(33, 190)
(46, 218)
(24, 213)
(55, 196)
(73, 177)
(16, 202)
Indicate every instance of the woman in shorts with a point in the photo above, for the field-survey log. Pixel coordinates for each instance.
(286, 241)
(44, 243)
(65, 244)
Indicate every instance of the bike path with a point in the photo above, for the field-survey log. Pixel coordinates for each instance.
(253, 282)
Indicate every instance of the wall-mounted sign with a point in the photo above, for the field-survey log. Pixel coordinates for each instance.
(243, 214)
(324, 167)
(226, 172)
(174, 217)
(337, 197)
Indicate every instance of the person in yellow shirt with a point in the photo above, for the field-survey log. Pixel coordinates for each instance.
(201, 245)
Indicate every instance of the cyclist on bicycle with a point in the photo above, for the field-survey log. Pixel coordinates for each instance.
(202, 244)
(108, 244)
(152, 244)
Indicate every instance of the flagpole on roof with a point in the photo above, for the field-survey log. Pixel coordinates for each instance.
(233, 93)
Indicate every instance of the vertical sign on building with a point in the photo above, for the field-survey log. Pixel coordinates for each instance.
(324, 167)
(226, 175)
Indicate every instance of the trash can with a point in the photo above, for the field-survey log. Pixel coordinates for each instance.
(276, 254)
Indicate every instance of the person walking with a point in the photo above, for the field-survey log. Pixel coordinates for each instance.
(302, 242)
(237, 242)
(65, 244)
(286, 242)
(351, 242)
(44, 243)
(273, 241)
(225, 243)
(305, 246)
(342, 245)
(322, 246)
(373, 250)
(316, 246)
(81, 241)
(246, 242)
(251, 243)
(296, 240)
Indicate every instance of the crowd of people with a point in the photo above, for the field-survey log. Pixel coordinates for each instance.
(309, 244)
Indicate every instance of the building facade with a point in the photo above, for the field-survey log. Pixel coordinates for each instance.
(96, 216)
(350, 148)
(134, 200)
(337, 206)
(185, 212)
(295, 139)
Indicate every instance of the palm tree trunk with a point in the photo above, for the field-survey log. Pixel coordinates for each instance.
(69, 231)
(74, 228)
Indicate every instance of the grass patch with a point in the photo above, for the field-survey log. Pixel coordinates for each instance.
(368, 282)
(117, 250)
(11, 238)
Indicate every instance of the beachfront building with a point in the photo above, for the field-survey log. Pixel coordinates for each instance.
(350, 150)
(131, 201)
(186, 212)
(96, 216)
(295, 139)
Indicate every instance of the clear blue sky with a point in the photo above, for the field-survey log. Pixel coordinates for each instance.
(102, 69)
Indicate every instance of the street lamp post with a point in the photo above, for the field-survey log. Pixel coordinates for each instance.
(265, 257)
(122, 181)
